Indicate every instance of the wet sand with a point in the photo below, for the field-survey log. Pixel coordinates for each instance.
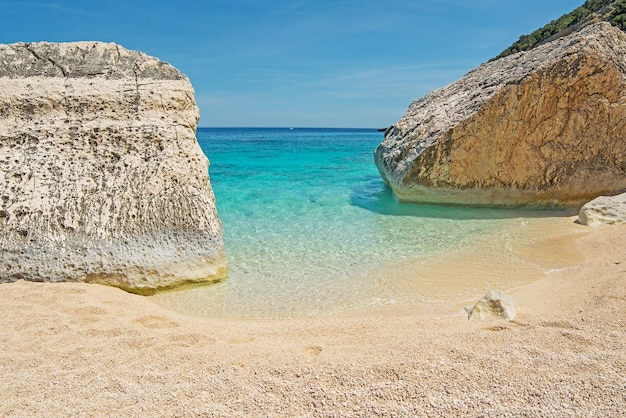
(71, 349)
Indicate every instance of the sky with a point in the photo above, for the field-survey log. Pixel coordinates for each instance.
(280, 63)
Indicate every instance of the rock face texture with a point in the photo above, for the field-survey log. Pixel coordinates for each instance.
(604, 210)
(542, 128)
(101, 177)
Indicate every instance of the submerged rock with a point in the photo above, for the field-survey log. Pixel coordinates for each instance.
(101, 177)
(542, 128)
(494, 303)
(604, 210)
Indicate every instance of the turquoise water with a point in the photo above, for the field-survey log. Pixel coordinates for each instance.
(308, 224)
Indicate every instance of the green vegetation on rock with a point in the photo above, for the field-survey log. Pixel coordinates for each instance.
(613, 11)
(618, 16)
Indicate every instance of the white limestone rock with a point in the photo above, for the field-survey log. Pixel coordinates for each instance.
(495, 303)
(604, 210)
(101, 177)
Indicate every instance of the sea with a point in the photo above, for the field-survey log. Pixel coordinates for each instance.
(311, 229)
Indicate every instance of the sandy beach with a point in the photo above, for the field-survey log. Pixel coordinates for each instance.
(71, 349)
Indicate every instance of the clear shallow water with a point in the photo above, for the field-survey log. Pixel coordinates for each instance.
(309, 225)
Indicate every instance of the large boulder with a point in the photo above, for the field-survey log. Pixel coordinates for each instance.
(604, 210)
(542, 128)
(101, 177)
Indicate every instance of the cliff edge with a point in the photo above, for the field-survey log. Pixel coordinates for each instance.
(101, 176)
(540, 128)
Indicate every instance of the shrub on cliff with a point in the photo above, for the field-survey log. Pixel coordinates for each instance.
(618, 16)
(613, 11)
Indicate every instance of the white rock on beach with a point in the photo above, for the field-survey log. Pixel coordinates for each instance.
(101, 176)
(604, 210)
(494, 303)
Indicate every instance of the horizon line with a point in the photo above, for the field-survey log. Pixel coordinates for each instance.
(285, 127)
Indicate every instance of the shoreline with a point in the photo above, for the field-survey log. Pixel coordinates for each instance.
(444, 284)
(72, 348)
(428, 281)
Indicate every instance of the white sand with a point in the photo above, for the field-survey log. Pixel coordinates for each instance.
(88, 350)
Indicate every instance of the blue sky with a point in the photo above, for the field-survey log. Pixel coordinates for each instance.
(321, 63)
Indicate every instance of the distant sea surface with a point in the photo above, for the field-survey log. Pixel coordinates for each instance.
(311, 229)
